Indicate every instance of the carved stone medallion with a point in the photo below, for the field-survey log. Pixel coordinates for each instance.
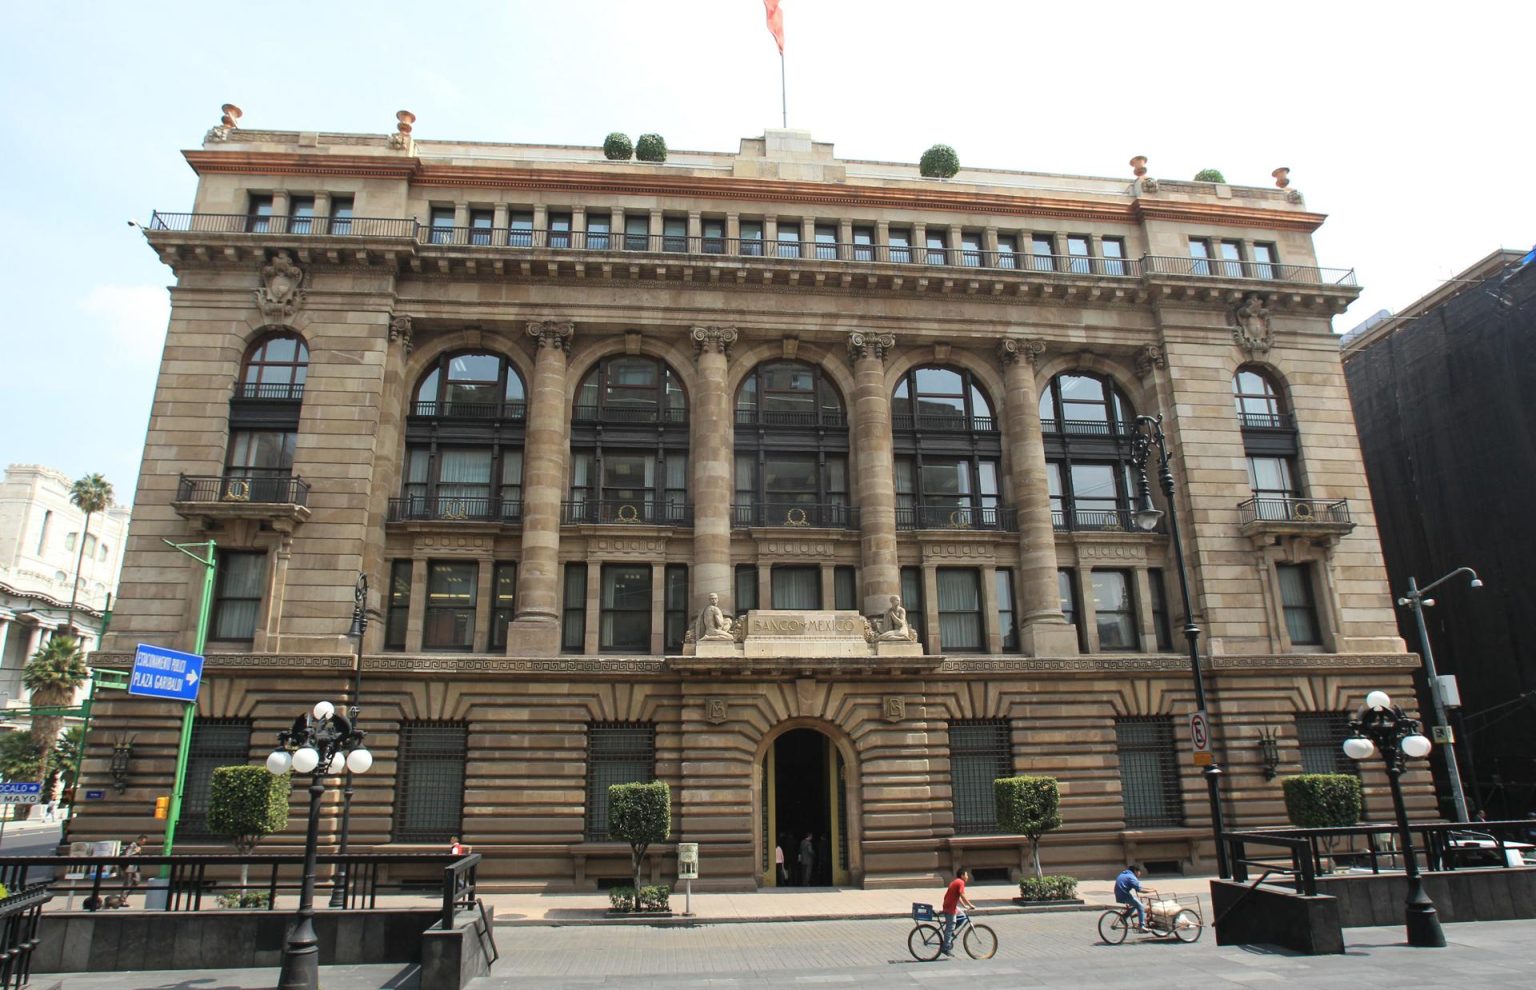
(282, 289)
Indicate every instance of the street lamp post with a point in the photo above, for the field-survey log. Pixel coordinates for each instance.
(1147, 433)
(1415, 600)
(1382, 727)
(358, 630)
(321, 743)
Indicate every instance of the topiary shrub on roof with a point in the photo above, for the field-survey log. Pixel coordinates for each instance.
(939, 162)
(1210, 175)
(616, 147)
(651, 148)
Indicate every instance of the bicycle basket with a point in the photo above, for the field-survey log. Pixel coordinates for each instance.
(922, 912)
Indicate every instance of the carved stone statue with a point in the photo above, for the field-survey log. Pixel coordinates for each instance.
(712, 623)
(894, 625)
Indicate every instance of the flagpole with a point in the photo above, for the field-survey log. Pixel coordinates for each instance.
(783, 91)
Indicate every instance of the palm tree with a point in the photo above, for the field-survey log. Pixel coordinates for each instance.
(91, 494)
(53, 675)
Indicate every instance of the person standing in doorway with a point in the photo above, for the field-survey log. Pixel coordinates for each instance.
(807, 859)
(778, 858)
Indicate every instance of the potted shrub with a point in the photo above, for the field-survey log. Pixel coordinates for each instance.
(939, 162)
(616, 147)
(651, 148)
(247, 803)
(1322, 800)
(640, 814)
(1210, 175)
(1028, 806)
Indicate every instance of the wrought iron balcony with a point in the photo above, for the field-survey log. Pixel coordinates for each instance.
(455, 508)
(1267, 421)
(626, 512)
(998, 518)
(243, 488)
(241, 223)
(942, 423)
(1267, 271)
(1287, 512)
(794, 515)
(1086, 427)
(629, 414)
(270, 391)
(514, 412)
(831, 418)
(1073, 520)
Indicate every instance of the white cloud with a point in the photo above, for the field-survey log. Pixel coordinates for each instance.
(131, 319)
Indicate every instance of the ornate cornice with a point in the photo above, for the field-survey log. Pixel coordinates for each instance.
(875, 345)
(553, 334)
(713, 339)
(1011, 349)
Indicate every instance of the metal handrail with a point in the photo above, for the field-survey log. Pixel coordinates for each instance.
(1086, 427)
(234, 487)
(270, 391)
(834, 419)
(1435, 838)
(459, 887)
(513, 411)
(455, 508)
(1268, 271)
(1073, 520)
(1001, 518)
(794, 515)
(1267, 421)
(626, 512)
(244, 223)
(943, 422)
(1294, 509)
(629, 414)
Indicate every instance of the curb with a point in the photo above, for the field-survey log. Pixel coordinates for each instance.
(694, 921)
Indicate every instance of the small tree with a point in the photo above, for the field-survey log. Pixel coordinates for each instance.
(939, 162)
(617, 147)
(1028, 806)
(53, 675)
(247, 804)
(1322, 800)
(1210, 175)
(651, 148)
(640, 814)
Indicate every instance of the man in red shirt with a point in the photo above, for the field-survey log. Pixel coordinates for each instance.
(954, 898)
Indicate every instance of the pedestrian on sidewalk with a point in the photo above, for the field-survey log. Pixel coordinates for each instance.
(807, 859)
(131, 874)
(49, 811)
(457, 848)
(778, 857)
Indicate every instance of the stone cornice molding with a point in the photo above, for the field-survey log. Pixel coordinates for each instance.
(1011, 349)
(719, 339)
(875, 345)
(550, 333)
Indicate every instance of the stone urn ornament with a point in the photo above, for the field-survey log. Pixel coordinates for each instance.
(1282, 177)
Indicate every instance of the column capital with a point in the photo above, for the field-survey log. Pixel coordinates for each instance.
(400, 329)
(553, 334)
(1011, 349)
(713, 339)
(875, 345)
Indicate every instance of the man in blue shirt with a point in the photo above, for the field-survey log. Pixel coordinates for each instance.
(1126, 886)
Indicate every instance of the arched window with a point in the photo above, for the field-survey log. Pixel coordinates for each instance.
(631, 390)
(629, 445)
(472, 385)
(1086, 420)
(948, 452)
(275, 368)
(787, 475)
(1259, 405)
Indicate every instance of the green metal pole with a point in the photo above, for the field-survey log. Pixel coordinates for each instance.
(209, 566)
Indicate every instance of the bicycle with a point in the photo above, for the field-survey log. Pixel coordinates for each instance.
(926, 940)
(1183, 923)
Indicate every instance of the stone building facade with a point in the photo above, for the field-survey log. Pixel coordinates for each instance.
(549, 404)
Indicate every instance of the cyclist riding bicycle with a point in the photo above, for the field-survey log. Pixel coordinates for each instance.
(954, 899)
(1127, 885)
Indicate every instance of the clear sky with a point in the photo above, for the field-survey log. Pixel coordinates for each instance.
(1404, 122)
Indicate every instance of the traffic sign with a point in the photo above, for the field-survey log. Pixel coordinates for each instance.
(1200, 737)
(162, 673)
(21, 792)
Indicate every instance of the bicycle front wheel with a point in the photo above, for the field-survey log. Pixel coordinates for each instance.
(924, 942)
(980, 941)
(1186, 926)
(1113, 927)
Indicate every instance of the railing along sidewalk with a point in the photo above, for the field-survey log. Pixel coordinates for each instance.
(19, 915)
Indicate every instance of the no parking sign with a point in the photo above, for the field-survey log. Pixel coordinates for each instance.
(1200, 737)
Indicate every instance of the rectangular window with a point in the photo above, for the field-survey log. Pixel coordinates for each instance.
(617, 753)
(676, 616)
(215, 742)
(979, 753)
(1114, 610)
(970, 248)
(1149, 773)
(637, 232)
(259, 215)
(1007, 623)
(1008, 251)
(1066, 588)
(863, 244)
(1263, 261)
(237, 602)
(1043, 249)
(796, 587)
(936, 238)
(397, 612)
(1113, 249)
(674, 233)
(341, 215)
(826, 242)
(624, 622)
(789, 238)
(599, 226)
(1321, 738)
(442, 224)
(752, 238)
(1078, 259)
(301, 215)
(1232, 259)
(912, 600)
(746, 587)
(519, 229)
(1199, 253)
(1300, 607)
(480, 223)
(450, 618)
(1272, 478)
(573, 610)
(899, 244)
(714, 236)
(845, 589)
(960, 610)
(429, 796)
(1159, 591)
(559, 230)
(503, 602)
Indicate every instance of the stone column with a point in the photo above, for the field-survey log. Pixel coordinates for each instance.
(1043, 630)
(535, 631)
(880, 575)
(5, 630)
(713, 449)
(416, 610)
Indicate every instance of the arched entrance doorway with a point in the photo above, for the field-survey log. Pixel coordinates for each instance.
(805, 798)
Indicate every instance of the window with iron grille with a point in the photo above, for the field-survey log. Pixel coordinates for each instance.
(216, 742)
(1321, 737)
(429, 795)
(980, 751)
(1149, 772)
(617, 753)
(398, 612)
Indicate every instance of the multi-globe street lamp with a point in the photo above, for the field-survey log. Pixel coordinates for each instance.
(1381, 727)
(357, 632)
(321, 743)
(1146, 433)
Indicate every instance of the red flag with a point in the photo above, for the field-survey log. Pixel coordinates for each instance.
(775, 22)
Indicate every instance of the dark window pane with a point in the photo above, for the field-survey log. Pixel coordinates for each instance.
(429, 797)
(979, 753)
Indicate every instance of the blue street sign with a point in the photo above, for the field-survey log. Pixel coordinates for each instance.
(95, 795)
(168, 674)
(21, 792)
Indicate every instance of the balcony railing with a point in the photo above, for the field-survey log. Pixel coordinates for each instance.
(1001, 518)
(1265, 270)
(270, 391)
(236, 488)
(1294, 510)
(629, 414)
(1072, 520)
(455, 508)
(627, 512)
(943, 423)
(1267, 421)
(241, 223)
(794, 515)
(1087, 427)
(509, 411)
(834, 418)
